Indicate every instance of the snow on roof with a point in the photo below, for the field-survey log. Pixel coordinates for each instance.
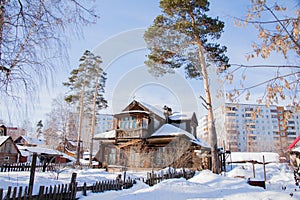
(24, 153)
(72, 159)
(297, 149)
(201, 143)
(254, 156)
(39, 150)
(106, 135)
(133, 111)
(153, 109)
(181, 116)
(73, 143)
(170, 130)
(32, 140)
(3, 139)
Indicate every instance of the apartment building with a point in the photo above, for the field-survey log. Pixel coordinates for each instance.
(105, 123)
(253, 127)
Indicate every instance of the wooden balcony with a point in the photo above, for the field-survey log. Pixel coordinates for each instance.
(137, 133)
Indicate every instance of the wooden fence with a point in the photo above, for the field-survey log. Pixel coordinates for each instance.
(63, 191)
(69, 191)
(24, 167)
(154, 178)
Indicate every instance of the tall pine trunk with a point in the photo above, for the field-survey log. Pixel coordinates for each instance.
(93, 122)
(2, 13)
(81, 105)
(211, 123)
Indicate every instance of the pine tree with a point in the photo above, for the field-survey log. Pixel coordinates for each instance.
(86, 85)
(39, 131)
(182, 36)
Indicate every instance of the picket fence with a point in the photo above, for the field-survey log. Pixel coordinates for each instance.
(63, 191)
(156, 177)
(69, 191)
(24, 167)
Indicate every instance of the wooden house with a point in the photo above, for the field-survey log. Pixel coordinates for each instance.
(9, 152)
(145, 136)
(3, 130)
(29, 141)
(69, 147)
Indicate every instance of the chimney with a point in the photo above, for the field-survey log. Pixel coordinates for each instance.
(167, 113)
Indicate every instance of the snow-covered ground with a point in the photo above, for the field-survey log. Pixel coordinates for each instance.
(204, 185)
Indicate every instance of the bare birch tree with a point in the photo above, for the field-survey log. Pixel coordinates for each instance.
(33, 39)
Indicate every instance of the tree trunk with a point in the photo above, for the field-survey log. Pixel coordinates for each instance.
(2, 12)
(211, 123)
(81, 105)
(93, 121)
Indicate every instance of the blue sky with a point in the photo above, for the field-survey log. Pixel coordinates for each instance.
(117, 37)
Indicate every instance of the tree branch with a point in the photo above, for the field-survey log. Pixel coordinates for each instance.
(265, 66)
(287, 32)
(267, 81)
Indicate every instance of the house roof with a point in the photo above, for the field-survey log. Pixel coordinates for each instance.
(148, 107)
(155, 110)
(170, 130)
(31, 140)
(40, 150)
(3, 139)
(181, 116)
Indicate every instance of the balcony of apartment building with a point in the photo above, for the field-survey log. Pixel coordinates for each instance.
(233, 146)
(276, 133)
(232, 127)
(291, 132)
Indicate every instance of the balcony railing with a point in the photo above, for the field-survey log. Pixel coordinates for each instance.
(132, 133)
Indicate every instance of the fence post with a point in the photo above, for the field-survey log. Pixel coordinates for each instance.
(264, 165)
(41, 193)
(32, 172)
(8, 192)
(84, 189)
(73, 186)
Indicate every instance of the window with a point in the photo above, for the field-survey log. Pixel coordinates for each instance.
(8, 147)
(248, 109)
(231, 114)
(128, 122)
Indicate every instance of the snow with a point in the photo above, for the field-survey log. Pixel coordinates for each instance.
(39, 150)
(254, 156)
(204, 185)
(297, 149)
(3, 139)
(106, 135)
(201, 143)
(170, 130)
(153, 109)
(33, 141)
(181, 116)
